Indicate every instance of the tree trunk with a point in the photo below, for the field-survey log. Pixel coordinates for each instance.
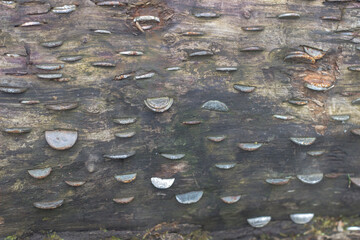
(106, 84)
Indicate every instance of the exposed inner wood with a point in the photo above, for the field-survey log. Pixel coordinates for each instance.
(108, 90)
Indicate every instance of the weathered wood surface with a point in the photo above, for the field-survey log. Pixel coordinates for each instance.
(249, 119)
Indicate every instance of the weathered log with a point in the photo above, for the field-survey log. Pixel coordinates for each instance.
(202, 59)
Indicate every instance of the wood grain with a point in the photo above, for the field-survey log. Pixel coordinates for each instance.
(249, 119)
